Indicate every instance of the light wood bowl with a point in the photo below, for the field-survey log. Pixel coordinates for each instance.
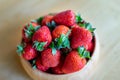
(79, 75)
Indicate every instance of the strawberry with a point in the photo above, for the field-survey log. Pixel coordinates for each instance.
(28, 31)
(75, 60)
(61, 36)
(61, 29)
(47, 19)
(65, 18)
(49, 59)
(80, 37)
(42, 38)
(40, 66)
(28, 52)
(58, 69)
(91, 46)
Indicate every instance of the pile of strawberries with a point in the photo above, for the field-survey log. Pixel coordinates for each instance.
(57, 43)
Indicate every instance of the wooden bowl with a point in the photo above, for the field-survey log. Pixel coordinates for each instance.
(79, 75)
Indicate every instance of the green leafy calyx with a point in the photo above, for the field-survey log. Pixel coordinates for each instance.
(78, 18)
(39, 46)
(62, 42)
(30, 30)
(20, 48)
(39, 20)
(84, 24)
(52, 46)
(51, 25)
(88, 26)
(83, 52)
(33, 64)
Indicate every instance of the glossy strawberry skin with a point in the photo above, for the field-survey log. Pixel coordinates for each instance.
(65, 18)
(40, 66)
(43, 34)
(58, 69)
(29, 52)
(80, 37)
(73, 62)
(90, 47)
(75, 26)
(61, 29)
(50, 60)
(47, 19)
(26, 39)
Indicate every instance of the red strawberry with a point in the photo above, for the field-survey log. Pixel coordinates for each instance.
(47, 19)
(58, 69)
(42, 35)
(40, 66)
(29, 52)
(80, 37)
(75, 26)
(65, 18)
(49, 59)
(73, 62)
(61, 29)
(90, 47)
(28, 31)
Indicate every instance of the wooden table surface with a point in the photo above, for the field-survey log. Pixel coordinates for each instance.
(103, 14)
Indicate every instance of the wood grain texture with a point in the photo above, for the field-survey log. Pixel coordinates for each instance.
(103, 14)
